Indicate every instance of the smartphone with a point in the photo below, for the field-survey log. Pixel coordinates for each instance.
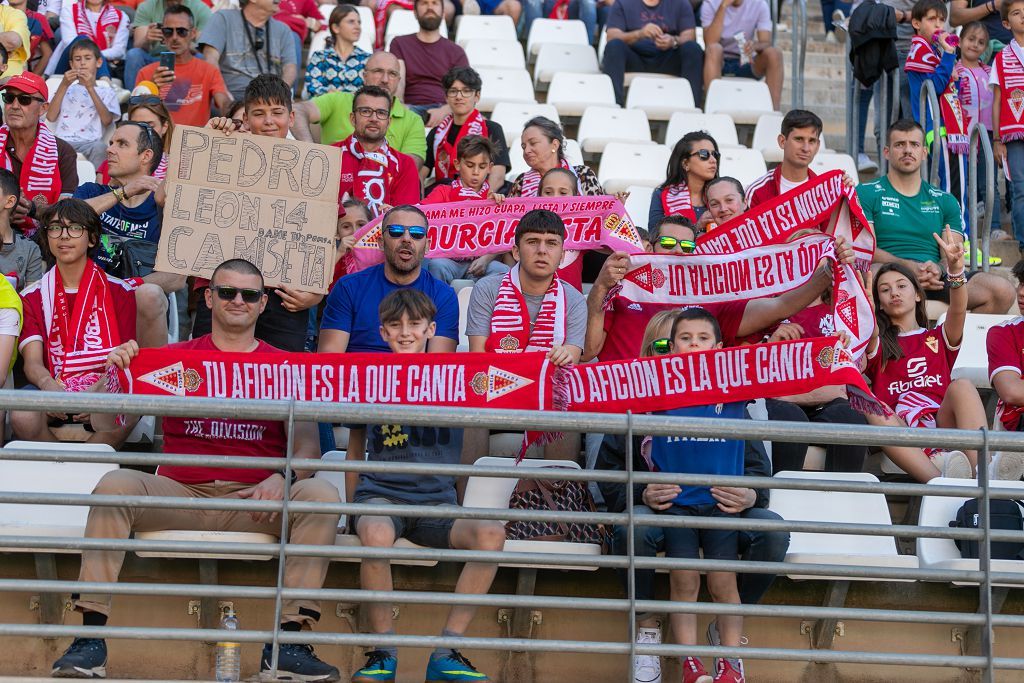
(167, 60)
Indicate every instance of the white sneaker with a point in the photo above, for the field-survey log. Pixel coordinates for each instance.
(1007, 466)
(840, 24)
(957, 466)
(830, 37)
(647, 668)
(715, 640)
(865, 164)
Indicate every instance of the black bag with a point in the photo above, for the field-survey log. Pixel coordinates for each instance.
(1002, 514)
(138, 258)
(558, 496)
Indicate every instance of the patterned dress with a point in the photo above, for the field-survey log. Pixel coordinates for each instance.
(328, 72)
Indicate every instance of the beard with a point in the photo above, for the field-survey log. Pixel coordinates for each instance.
(431, 23)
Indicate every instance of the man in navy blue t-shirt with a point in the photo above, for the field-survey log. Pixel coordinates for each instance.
(351, 321)
(653, 36)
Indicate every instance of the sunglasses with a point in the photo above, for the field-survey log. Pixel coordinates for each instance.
(417, 232)
(146, 128)
(685, 246)
(705, 154)
(258, 43)
(249, 296)
(180, 30)
(23, 100)
(143, 99)
(661, 346)
(73, 230)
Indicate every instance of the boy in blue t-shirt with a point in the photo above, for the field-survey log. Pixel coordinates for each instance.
(693, 330)
(406, 325)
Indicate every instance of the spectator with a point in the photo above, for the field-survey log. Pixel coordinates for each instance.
(15, 39)
(188, 89)
(963, 12)
(339, 66)
(19, 256)
(756, 57)
(40, 37)
(333, 111)
(147, 109)
(283, 321)
(931, 56)
(1007, 122)
(724, 199)
(425, 57)
(1005, 345)
(355, 215)
(97, 20)
(407, 325)
(234, 323)
(544, 149)
(833, 11)
(907, 213)
(148, 37)
(28, 148)
(247, 42)
(560, 182)
(351, 321)
(510, 8)
(593, 13)
(58, 353)
(462, 89)
(301, 16)
(83, 107)
(653, 36)
(10, 328)
(366, 150)
(693, 162)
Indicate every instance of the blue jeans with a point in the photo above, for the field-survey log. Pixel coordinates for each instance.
(586, 11)
(687, 61)
(1015, 161)
(829, 6)
(446, 269)
(133, 63)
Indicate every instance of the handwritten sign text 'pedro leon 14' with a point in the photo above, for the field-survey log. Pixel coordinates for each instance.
(269, 201)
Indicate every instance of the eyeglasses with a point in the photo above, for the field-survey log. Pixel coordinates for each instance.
(685, 246)
(461, 92)
(379, 114)
(54, 230)
(23, 99)
(705, 154)
(377, 71)
(661, 346)
(180, 30)
(249, 296)
(144, 99)
(258, 44)
(417, 232)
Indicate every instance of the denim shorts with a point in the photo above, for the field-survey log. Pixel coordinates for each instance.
(432, 532)
(686, 543)
(731, 67)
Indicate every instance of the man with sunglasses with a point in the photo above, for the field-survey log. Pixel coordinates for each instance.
(236, 296)
(351, 320)
(147, 36)
(46, 166)
(188, 89)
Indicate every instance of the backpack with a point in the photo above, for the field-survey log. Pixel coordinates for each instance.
(558, 496)
(1002, 514)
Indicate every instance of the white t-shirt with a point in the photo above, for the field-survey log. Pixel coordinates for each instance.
(10, 322)
(79, 120)
(787, 185)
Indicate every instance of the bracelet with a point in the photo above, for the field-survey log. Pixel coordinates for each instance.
(958, 282)
(953, 276)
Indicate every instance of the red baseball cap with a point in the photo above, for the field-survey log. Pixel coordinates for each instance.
(29, 83)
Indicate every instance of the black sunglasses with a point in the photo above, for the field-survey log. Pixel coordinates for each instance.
(144, 99)
(705, 154)
(23, 99)
(417, 232)
(249, 296)
(258, 44)
(180, 30)
(146, 128)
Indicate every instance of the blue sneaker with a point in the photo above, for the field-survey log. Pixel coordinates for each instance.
(85, 658)
(453, 667)
(298, 663)
(380, 668)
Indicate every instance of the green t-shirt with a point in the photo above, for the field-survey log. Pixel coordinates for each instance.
(406, 133)
(904, 225)
(152, 12)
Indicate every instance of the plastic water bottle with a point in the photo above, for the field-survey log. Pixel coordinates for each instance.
(229, 654)
(741, 43)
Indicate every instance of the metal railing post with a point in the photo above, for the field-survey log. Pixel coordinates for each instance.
(281, 559)
(928, 98)
(631, 546)
(799, 32)
(978, 137)
(985, 559)
(852, 107)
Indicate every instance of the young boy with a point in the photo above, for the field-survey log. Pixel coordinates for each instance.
(473, 164)
(407, 323)
(1007, 83)
(83, 107)
(931, 58)
(695, 329)
(20, 260)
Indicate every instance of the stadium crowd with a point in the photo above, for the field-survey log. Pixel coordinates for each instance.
(82, 293)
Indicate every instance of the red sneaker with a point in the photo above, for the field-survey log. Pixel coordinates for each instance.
(694, 671)
(727, 674)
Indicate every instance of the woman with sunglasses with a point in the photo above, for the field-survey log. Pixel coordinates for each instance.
(147, 109)
(694, 162)
(339, 66)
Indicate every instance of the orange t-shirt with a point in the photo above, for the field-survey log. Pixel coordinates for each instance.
(188, 97)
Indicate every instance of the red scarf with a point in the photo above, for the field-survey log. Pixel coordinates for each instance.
(675, 201)
(380, 17)
(444, 151)
(560, 10)
(510, 321)
(955, 118)
(106, 24)
(79, 340)
(40, 172)
(921, 58)
(530, 182)
(462, 192)
(1009, 65)
(969, 93)
(367, 175)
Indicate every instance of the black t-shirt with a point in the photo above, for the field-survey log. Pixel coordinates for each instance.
(494, 132)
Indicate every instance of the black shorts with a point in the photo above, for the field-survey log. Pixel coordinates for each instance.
(432, 532)
(277, 326)
(943, 294)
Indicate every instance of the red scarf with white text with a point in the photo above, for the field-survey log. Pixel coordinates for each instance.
(955, 118)
(510, 319)
(921, 58)
(444, 151)
(106, 24)
(675, 201)
(40, 170)
(1009, 65)
(367, 175)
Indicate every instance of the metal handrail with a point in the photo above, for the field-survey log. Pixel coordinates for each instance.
(978, 137)
(799, 32)
(929, 99)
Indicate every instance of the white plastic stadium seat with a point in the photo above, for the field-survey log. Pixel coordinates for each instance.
(841, 507)
(86, 171)
(505, 85)
(743, 98)
(495, 54)
(36, 476)
(942, 553)
(659, 98)
(463, 295)
(494, 492)
(766, 137)
(573, 93)
(625, 164)
(718, 126)
(402, 22)
(319, 41)
(972, 361)
(560, 57)
(480, 27)
(512, 116)
(573, 152)
(833, 161)
(638, 204)
(601, 125)
(566, 31)
(746, 165)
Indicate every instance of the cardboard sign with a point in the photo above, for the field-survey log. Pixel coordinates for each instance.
(269, 201)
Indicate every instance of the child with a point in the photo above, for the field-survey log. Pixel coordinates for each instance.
(693, 330)
(1007, 83)
(474, 160)
(406, 324)
(931, 58)
(560, 182)
(20, 259)
(356, 215)
(83, 107)
(1006, 364)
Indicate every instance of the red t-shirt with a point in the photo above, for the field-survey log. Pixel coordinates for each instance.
(817, 321)
(425, 66)
(188, 96)
(443, 194)
(400, 181)
(924, 368)
(625, 323)
(221, 436)
(288, 9)
(1005, 344)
